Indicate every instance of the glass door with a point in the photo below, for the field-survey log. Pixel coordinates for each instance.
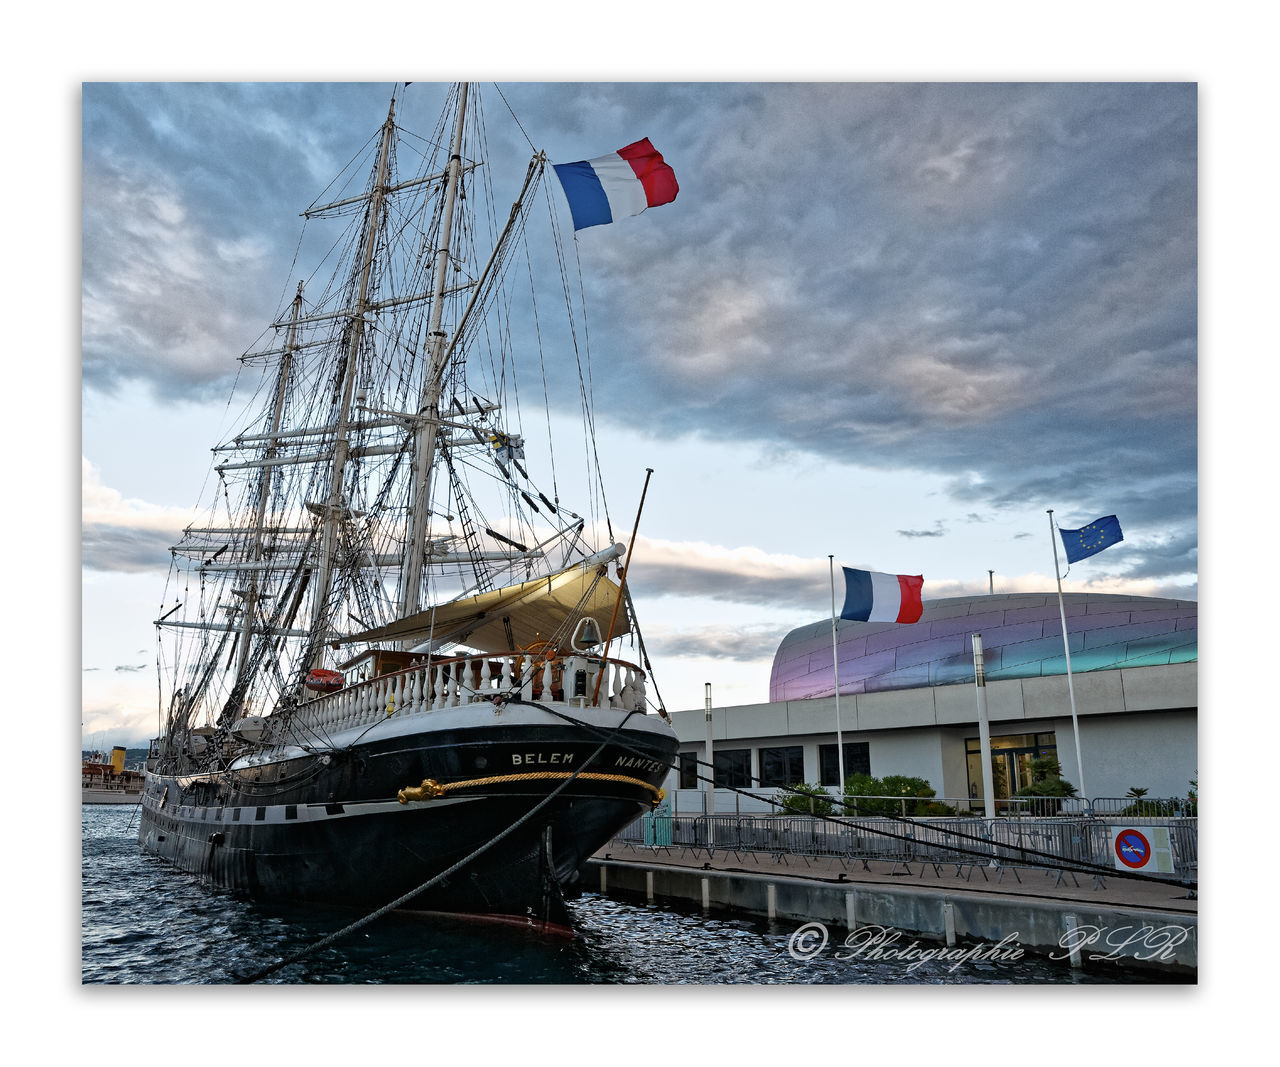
(1011, 758)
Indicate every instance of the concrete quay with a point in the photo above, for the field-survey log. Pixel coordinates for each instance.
(1139, 926)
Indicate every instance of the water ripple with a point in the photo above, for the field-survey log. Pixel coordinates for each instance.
(145, 924)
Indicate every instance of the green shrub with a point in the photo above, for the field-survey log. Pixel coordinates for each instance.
(917, 790)
(805, 799)
(1155, 809)
(864, 785)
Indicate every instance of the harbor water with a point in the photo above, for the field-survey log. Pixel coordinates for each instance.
(143, 923)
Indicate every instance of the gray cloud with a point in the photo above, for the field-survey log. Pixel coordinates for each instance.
(124, 548)
(729, 584)
(937, 531)
(991, 282)
(991, 279)
(190, 218)
(742, 644)
(162, 293)
(788, 584)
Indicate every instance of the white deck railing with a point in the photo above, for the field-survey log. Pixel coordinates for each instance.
(476, 679)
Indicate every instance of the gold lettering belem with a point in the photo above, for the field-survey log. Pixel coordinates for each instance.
(533, 759)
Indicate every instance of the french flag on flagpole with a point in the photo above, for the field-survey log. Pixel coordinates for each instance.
(614, 186)
(870, 596)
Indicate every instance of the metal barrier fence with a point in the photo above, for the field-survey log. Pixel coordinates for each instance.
(1021, 842)
(908, 807)
(1145, 807)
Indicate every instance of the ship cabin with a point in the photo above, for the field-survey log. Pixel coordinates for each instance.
(378, 661)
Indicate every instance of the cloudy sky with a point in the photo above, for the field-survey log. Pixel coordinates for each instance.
(143, 436)
(891, 322)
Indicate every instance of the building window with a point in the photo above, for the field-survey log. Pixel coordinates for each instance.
(1011, 757)
(857, 760)
(782, 766)
(688, 770)
(733, 768)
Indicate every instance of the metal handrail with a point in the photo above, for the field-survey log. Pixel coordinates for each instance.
(1020, 807)
(1022, 842)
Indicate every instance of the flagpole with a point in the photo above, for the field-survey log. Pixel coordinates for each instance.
(984, 741)
(835, 664)
(1066, 647)
(709, 797)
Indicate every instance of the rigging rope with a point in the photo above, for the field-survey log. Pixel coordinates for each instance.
(498, 88)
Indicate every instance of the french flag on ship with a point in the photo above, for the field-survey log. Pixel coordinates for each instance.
(870, 596)
(614, 186)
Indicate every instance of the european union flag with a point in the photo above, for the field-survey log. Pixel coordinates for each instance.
(1099, 534)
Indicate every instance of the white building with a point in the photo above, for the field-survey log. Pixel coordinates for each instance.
(908, 703)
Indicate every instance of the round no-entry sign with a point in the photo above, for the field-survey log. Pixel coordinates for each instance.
(1132, 848)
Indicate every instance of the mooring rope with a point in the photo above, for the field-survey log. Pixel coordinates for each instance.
(404, 898)
(1075, 866)
(1080, 866)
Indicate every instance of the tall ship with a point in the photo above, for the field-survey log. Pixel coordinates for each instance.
(398, 648)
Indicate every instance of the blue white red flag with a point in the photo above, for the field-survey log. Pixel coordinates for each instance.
(614, 186)
(870, 596)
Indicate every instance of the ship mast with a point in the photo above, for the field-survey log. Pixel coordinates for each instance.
(332, 508)
(424, 445)
(264, 493)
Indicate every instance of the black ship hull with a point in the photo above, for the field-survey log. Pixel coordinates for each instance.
(335, 826)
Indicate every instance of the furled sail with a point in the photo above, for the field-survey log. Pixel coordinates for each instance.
(545, 609)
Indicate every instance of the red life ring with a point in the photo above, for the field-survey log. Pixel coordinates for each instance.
(324, 681)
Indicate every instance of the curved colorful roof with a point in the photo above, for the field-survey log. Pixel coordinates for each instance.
(1021, 638)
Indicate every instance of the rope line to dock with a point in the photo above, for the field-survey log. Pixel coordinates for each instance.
(1058, 864)
(404, 898)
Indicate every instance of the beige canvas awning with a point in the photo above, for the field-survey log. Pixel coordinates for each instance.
(515, 616)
